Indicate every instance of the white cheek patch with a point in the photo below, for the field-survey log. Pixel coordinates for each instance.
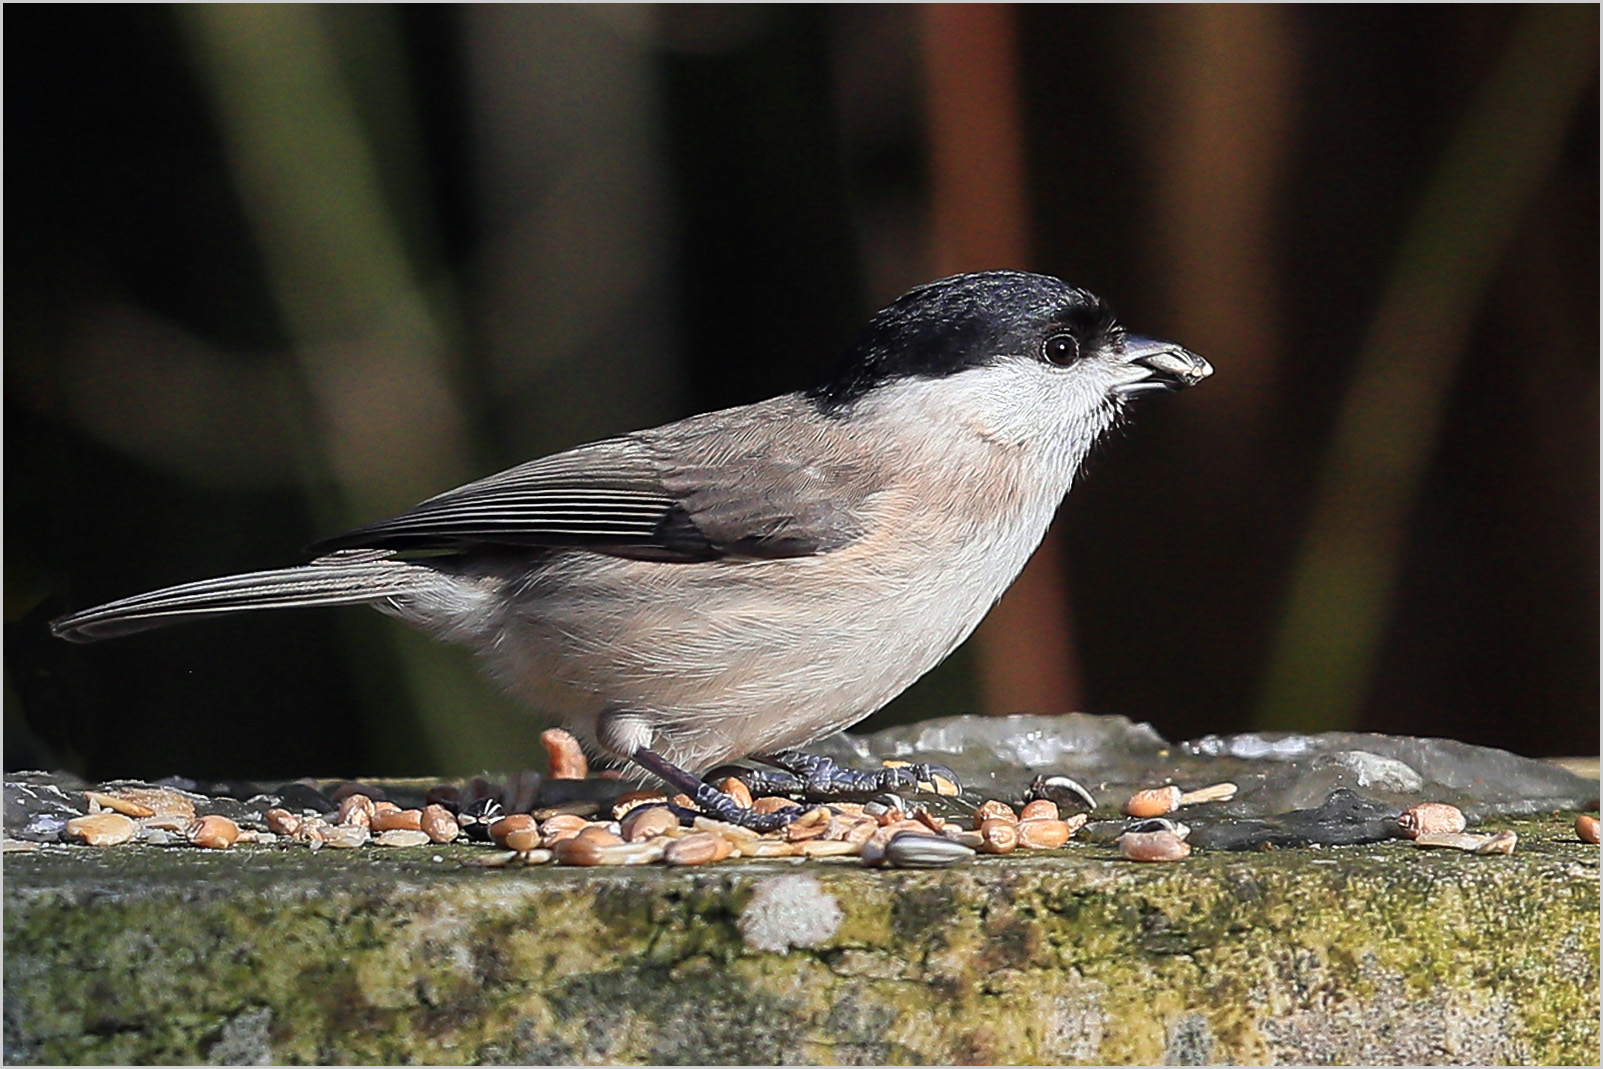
(1019, 404)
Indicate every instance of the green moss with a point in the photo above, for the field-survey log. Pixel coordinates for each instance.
(1379, 953)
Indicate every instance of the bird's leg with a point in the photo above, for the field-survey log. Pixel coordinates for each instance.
(709, 799)
(820, 779)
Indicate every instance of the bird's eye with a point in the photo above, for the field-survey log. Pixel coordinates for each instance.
(1061, 349)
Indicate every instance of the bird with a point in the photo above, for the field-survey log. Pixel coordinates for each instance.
(742, 582)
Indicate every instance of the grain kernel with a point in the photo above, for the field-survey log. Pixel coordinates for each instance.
(1042, 834)
(564, 755)
(283, 822)
(102, 829)
(119, 805)
(515, 822)
(1154, 802)
(648, 822)
(1429, 818)
(635, 799)
(397, 819)
(440, 823)
(999, 836)
(356, 809)
(737, 791)
(1218, 792)
(213, 832)
(1040, 809)
(698, 848)
(1153, 846)
(994, 810)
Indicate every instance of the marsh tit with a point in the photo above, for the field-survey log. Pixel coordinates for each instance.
(745, 581)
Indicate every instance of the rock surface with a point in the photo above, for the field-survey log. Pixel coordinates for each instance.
(1381, 953)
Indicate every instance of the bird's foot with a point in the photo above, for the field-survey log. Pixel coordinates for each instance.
(820, 779)
(708, 799)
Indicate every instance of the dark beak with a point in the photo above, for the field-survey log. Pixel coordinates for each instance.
(1162, 366)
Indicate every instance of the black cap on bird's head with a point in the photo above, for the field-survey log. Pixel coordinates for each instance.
(962, 322)
(975, 320)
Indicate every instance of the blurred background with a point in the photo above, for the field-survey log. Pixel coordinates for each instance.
(274, 272)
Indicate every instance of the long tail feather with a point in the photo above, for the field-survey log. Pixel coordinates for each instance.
(335, 580)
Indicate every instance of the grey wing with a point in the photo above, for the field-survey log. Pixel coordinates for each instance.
(651, 496)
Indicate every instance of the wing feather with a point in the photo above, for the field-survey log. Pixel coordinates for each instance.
(707, 487)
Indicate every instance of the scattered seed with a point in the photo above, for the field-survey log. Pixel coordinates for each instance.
(1586, 828)
(282, 822)
(600, 835)
(1042, 834)
(813, 824)
(635, 799)
(1219, 792)
(564, 755)
(999, 836)
(101, 829)
(648, 822)
(994, 810)
(1140, 827)
(402, 837)
(166, 803)
(476, 816)
(562, 822)
(1062, 790)
(1153, 802)
(397, 819)
(531, 839)
(1162, 845)
(737, 791)
(346, 836)
(733, 832)
(579, 807)
(697, 848)
(439, 824)
(1451, 840)
(910, 850)
(516, 822)
(874, 847)
(118, 805)
(772, 804)
(767, 848)
(1501, 843)
(312, 830)
(356, 809)
(860, 830)
(213, 832)
(1040, 809)
(1430, 818)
